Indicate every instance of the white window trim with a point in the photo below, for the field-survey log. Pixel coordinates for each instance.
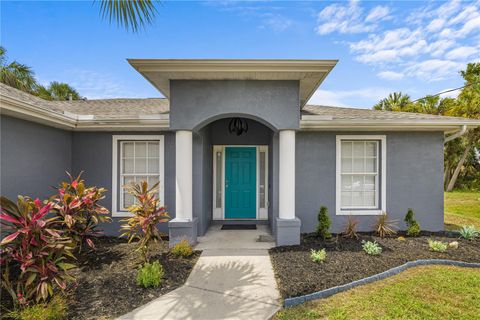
(115, 159)
(219, 213)
(382, 172)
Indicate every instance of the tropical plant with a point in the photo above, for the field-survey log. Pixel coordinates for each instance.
(350, 230)
(469, 232)
(15, 74)
(34, 251)
(395, 101)
(132, 14)
(55, 309)
(324, 223)
(384, 226)
(147, 214)
(413, 227)
(78, 210)
(371, 248)
(58, 91)
(150, 274)
(182, 249)
(318, 255)
(437, 246)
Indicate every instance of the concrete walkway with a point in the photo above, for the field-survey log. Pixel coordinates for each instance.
(233, 279)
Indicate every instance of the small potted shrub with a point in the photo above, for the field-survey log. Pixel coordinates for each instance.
(324, 223)
(413, 227)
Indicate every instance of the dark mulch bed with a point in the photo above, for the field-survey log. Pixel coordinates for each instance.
(297, 275)
(106, 279)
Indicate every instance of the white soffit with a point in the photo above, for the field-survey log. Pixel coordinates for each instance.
(310, 73)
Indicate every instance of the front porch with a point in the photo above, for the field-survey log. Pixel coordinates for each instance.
(224, 177)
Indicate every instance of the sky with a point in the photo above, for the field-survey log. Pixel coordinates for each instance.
(415, 47)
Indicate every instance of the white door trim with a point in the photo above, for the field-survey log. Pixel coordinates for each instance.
(219, 213)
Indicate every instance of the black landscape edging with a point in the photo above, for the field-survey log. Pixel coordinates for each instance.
(290, 302)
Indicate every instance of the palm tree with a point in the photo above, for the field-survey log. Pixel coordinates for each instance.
(16, 75)
(396, 101)
(57, 91)
(131, 14)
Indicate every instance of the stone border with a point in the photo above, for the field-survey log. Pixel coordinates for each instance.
(290, 302)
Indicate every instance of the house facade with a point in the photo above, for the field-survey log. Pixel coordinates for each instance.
(233, 142)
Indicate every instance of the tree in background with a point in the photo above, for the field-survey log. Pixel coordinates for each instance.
(462, 154)
(16, 75)
(21, 77)
(395, 101)
(58, 91)
(468, 106)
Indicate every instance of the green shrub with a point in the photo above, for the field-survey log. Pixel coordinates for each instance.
(182, 249)
(469, 232)
(371, 248)
(437, 246)
(324, 223)
(150, 274)
(56, 309)
(318, 255)
(413, 227)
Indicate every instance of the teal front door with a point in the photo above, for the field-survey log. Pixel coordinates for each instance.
(240, 182)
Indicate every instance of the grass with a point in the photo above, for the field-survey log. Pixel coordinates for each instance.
(429, 292)
(462, 208)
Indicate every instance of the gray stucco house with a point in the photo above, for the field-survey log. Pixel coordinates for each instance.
(290, 159)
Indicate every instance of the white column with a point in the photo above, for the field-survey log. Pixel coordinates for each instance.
(183, 173)
(287, 174)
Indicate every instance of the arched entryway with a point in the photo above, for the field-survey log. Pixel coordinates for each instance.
(233, 174)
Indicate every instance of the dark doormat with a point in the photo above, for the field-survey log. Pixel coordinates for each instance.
(239, 227)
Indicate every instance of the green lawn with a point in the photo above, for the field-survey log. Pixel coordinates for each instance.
(430, 292)
(462, 208)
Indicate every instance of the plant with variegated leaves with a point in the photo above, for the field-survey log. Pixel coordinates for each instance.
(33, 250)
(79, 211)
(147, 214)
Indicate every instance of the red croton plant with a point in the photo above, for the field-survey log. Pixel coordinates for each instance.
(147, 214)
(34, 253)
(79, 211)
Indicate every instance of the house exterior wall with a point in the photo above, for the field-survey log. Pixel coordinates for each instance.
(195, 103)
(414, 176)
(92, 153)
(34, 158)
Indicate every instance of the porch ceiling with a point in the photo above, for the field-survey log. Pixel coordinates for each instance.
(310, 73)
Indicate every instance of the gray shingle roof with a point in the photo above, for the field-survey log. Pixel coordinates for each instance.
(118, 108)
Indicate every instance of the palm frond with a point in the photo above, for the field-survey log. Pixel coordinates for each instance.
(130, 14)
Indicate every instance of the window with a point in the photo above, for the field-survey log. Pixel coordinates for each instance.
(360, 176)
(135, 159)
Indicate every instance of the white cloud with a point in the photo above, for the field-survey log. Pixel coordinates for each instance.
(432, 43)
(434, 69)
(276, 22)
(378, 13)
(343, 19)
(390, 75)
(462, 53)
